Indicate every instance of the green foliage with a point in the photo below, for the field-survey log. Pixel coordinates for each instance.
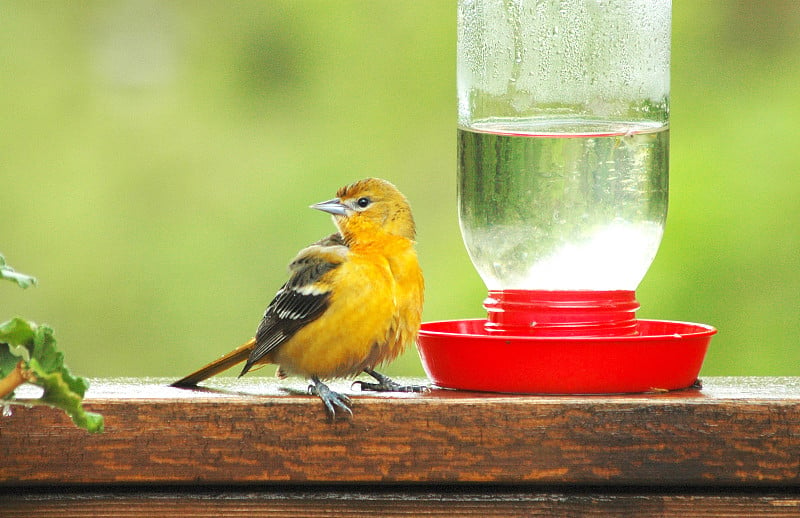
(36, 347)
(31, 350)
(7, 272)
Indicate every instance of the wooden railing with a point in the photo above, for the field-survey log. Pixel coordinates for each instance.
(253, 446)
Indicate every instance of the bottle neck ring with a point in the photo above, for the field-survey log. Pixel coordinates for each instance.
(562, 313)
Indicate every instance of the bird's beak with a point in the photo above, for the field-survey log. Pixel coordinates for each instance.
(334, 206)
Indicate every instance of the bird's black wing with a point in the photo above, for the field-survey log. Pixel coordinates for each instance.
(303, 298)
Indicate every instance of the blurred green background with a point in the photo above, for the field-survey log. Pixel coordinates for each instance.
(157, 159)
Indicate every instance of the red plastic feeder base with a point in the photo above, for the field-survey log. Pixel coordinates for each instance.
(469, 355)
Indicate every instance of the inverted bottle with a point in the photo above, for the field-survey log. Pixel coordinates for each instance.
(563, 157)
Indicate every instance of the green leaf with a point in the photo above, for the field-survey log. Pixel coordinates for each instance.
(18, 331)
(20, 351)
(45, 350)
(7, 272)
(64, 391)
(46, 362)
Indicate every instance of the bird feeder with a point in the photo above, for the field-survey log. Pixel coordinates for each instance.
(563, 159)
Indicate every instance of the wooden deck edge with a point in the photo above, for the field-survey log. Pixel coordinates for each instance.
(735, 432)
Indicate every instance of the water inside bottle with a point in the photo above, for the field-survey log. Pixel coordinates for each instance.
(562, 204)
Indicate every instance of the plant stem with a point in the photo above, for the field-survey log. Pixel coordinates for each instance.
(14, 379)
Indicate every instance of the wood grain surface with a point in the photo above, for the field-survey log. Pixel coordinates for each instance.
(484, 502)
(732, 433)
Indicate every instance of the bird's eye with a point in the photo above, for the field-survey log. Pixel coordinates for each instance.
(363, 202)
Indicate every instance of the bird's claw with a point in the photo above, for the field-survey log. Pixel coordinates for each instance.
(391, 387)
(332, 400)
(386, 384)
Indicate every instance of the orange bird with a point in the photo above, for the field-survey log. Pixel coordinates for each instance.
(353, 300)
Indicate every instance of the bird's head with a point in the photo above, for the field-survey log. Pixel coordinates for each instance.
(367, 204)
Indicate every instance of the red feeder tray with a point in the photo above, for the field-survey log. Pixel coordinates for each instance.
(661, 355)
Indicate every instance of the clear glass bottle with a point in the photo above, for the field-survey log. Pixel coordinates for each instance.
(563, 141)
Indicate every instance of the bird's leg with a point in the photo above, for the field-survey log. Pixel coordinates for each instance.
(332, 400)
(386, 384)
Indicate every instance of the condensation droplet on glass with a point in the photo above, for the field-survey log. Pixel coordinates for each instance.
(7, 412)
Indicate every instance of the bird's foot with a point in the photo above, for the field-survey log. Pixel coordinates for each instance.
(386, 384)
(332, 400)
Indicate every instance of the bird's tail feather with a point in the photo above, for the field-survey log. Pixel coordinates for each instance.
(223, 363)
